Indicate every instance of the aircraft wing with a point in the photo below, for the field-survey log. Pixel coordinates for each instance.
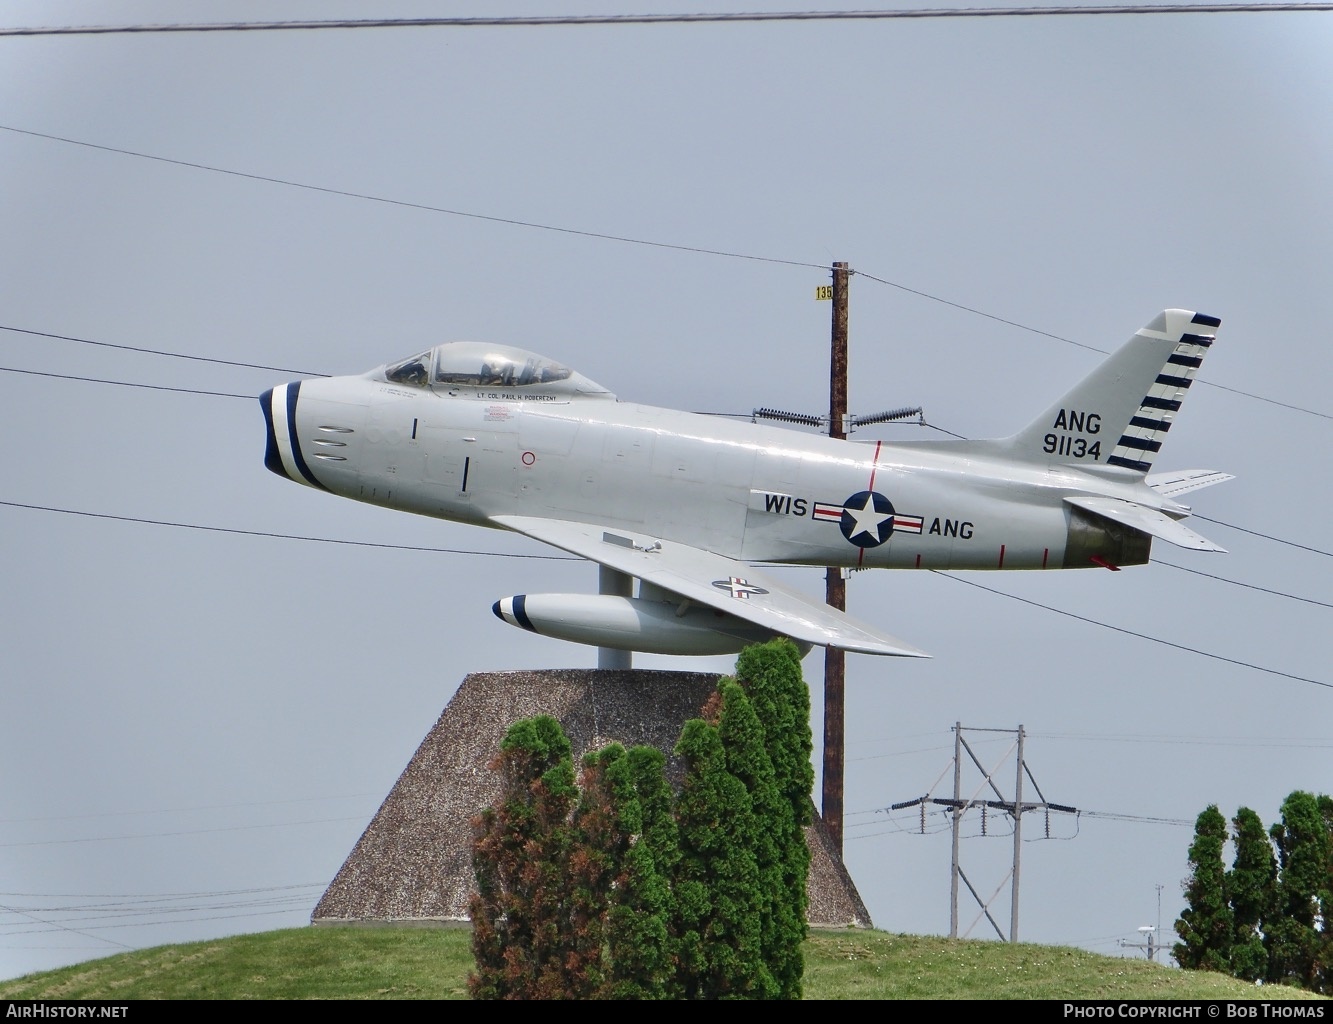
(1146, 520)
(713, 580)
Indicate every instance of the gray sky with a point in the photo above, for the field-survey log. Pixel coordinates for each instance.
(198, 725)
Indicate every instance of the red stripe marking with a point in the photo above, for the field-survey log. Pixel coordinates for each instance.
(1045, 552)
(918, 561)
(1001, 565)
(874, 466)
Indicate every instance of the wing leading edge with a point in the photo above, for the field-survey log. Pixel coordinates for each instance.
(713, 580)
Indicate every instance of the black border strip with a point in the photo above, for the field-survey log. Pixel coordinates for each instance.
(1174, 382)
(294, 392)
(1169, 404)
(1144, 444)
(272, 457)
(1116, 460)
(1143, 421)
(521, 613)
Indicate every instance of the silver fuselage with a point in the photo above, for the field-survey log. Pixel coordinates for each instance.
(744, 490)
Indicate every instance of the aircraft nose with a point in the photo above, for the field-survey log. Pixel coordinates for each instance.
(271, 457)
(282, 451)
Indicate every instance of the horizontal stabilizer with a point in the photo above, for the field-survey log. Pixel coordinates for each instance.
(1186, 480)
(1145, 520)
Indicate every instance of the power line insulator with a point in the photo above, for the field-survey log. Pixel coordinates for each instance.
(804, 419)
(888, 416)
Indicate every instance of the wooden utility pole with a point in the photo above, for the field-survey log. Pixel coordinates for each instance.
(835, 585)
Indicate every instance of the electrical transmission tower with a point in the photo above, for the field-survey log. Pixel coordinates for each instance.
(1014, 808)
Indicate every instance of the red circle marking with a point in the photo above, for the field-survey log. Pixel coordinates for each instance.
(528, 458)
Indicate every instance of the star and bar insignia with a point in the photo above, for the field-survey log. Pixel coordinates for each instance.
(739, 587)
(867, 519)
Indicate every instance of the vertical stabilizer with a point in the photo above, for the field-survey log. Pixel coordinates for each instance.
(1120, 413)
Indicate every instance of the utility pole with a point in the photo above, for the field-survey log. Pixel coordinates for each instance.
(958, 805)
(1018, 841)
(1152, 944)
(835, 584)
(1149, 946)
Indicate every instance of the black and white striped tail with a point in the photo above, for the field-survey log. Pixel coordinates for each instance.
(1143, 436)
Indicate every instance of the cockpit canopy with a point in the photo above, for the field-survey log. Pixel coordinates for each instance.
(478, 369)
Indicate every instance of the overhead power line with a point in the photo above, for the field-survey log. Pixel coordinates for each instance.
(1228, 742)
(180, 832)
(178, 810)
(1141, 636)
(153, 897)
(1143, 818)
(416, 206)
(144, 908)
(571, 558)
(57, 926)
(1232, 742)
(251, 398)
(1077, 344)
(297, 907)
(138, 910)
(1270, 401)
(544, 21)
(161, 352)
(603, 236)
(127, 383)
(977, 312)
(1266, 536)
(1247, 586)
(289, 536)
(909, 824)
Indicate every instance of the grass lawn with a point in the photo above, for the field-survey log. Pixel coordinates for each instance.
(433, 963)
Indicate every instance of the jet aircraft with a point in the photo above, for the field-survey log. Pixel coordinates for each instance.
(688, 504)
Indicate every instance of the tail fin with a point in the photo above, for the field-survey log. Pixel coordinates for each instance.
(1120, 413)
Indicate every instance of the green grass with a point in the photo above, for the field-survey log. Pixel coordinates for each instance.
(877, 965)
(433, 963)
(297, 963)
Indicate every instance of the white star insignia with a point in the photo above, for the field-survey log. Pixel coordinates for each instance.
(868, 521)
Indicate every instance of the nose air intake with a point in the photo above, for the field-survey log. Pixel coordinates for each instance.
(282, 450)
(271, 457)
